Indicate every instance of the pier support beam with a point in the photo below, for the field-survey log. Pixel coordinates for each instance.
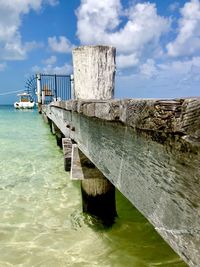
(98, 194)
(67, 150)
(59, 137)
(52, 127)
(94, 73)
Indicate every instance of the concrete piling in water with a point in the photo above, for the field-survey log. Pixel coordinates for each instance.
(52, 127)
(59, 137)
(98, 194)
(67, 150)
(58, 134)
(98, 198)
(94, 73)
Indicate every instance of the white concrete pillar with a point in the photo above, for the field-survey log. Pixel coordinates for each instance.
(39, 92)
(94, 72)
(38, 77)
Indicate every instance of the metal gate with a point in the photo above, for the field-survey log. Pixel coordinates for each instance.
(53, 87)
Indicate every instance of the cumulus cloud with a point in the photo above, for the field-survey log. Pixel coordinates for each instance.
(184, 67)
(99, 22)
(60, 45)
(149, 69)
(11, 12)
(176, 78)
(125, 61)
(187, 42)
(51, 69)
(50, 61)
(96, 18)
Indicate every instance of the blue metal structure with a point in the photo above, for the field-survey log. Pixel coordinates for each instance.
(31, 87)
(53, 87)
(56, 87)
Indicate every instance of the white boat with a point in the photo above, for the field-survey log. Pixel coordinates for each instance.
(25, 101)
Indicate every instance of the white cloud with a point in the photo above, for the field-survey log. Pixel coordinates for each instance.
(95, 18)
(11, 12)
(125, 61)
(60, 45)
(187, 42)
(178, 78)
(50, 69)
(2, 66)
(182, 67)
(149, 69)
(50, 61)
(99, 23)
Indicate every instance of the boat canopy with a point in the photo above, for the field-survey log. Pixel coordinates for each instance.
(25, 97)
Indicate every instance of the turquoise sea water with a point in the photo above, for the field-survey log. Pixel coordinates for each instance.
(41, 223)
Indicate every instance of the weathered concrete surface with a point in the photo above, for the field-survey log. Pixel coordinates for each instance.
(150, 150)
(82, 168)
(94, 69)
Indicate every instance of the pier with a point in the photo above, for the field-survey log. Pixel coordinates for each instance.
(149, 149)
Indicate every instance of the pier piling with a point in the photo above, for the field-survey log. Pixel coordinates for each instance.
(98, 193)
(67, 150)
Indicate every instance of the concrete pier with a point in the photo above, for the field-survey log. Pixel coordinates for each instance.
(148, 149)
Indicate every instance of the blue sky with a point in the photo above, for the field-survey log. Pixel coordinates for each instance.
(158, 43)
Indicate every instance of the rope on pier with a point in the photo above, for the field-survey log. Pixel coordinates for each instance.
(10, 93)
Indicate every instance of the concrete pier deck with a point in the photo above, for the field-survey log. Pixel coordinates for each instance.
(150, 151)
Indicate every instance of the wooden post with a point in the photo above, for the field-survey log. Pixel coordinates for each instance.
(94, 72)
